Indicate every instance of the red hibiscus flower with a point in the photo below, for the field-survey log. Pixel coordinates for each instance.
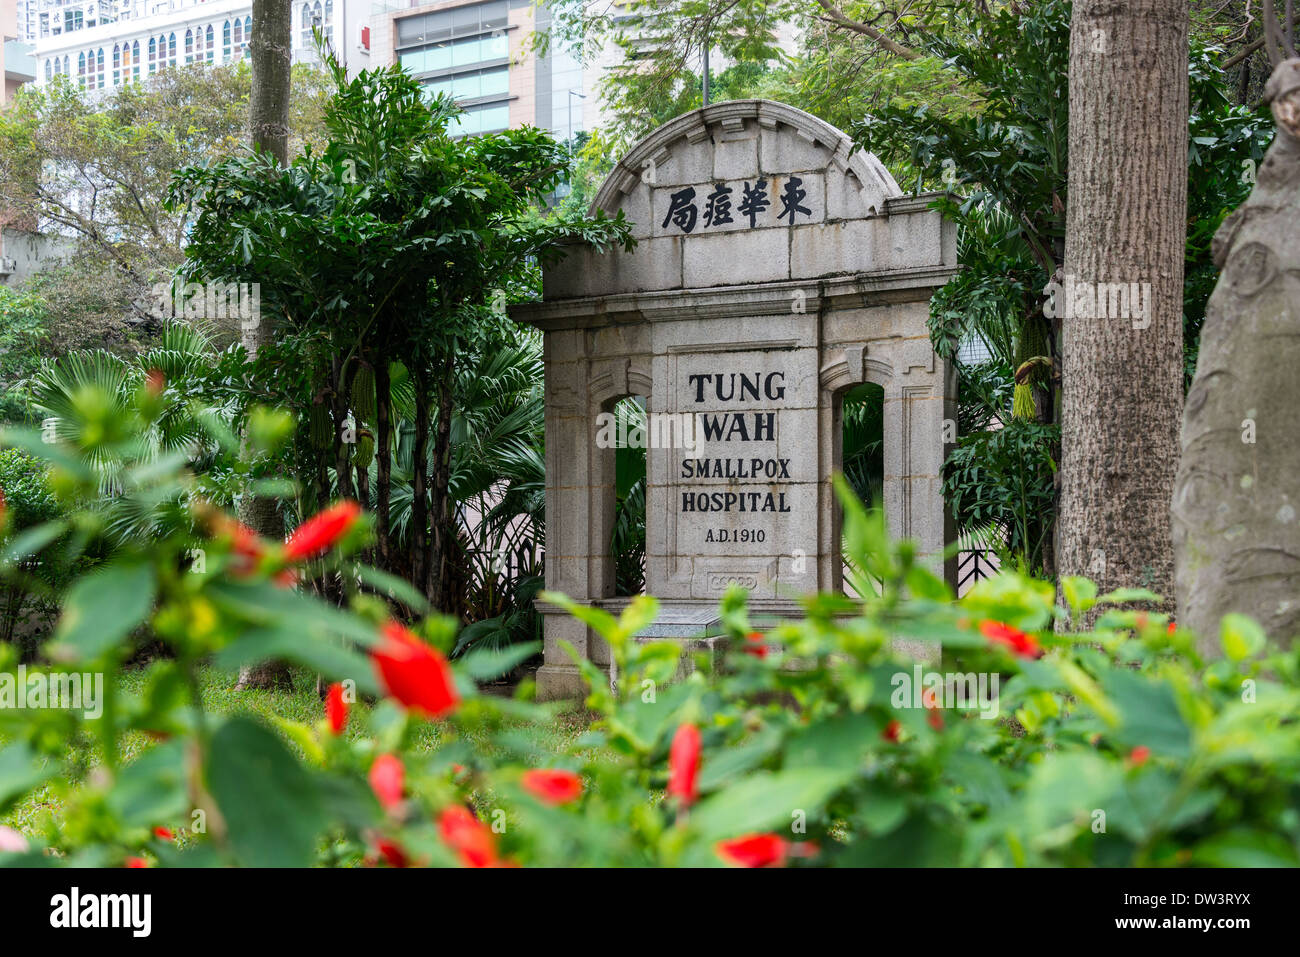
(754, 645)
(891, 731)
(930, 698)
(336, 709)
(415, 674)
(998, 633)
(471, 839)
(553, 787)
(387, 777)
(392, 852)
(319, 533)
(136, 862)
(684, 764)
(754, 850)
(164, 833)
(1173, 627)
(1139, 756)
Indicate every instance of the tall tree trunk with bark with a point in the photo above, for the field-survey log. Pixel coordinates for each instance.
(270, 50)
(1236, 504)
(440, 550)
(420, 486)
(1121, 305)
(383, 460)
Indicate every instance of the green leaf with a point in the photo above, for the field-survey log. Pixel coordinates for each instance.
(272, 807)
(1246, 848)
(303, 646)
(102, 609)
(487, 664)
(152, 789)
(1241, 636)
(766, 800)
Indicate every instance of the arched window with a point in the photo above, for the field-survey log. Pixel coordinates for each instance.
(117, 65)
(306, 25)
(189, 46)
(225, 41)
(171, 49)
(49, 71)
(209, 42)
(329, 20)
(239, 31)
(153, 54)
(135, 59)
(67, 66)
(248, 34)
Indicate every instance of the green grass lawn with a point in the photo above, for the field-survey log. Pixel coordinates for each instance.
(301, 704)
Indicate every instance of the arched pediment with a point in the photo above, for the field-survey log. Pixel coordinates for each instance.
(685, 151)
(745, 193)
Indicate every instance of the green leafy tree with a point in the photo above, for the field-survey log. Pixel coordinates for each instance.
(396, 243)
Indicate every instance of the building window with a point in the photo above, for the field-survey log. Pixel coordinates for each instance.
(81, 70)
(449, 24)
(117, 65)
(135, 60)
(171, 50)
(153, 54)
(189, 46)
(483, 119)
(472, 85)
(225, 41)
(209, 43)
(99, 69)
(457, 53)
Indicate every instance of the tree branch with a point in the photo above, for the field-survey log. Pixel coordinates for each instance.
(836, 16)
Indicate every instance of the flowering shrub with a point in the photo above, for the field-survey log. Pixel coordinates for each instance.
(797, 743)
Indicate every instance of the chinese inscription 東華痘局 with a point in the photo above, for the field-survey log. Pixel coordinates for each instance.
(755, 201)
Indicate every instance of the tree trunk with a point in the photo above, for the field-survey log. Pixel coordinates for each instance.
(440, 551)
(268, 108)
(383, 460)
(1235, 525)
(1121, 301)
(419, 486)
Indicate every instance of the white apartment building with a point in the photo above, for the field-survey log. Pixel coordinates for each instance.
(100, 44)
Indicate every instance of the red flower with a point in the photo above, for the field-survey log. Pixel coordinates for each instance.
(469, 837)
(684, 764)
(386, 780)
(755, 645)
(1139, 756)
(415, 674)
(392, 852)
(336, 709)
(930, 698)
(891, 731)
(998, 633)
(1172, 628)
(164, 833)
(754, 850)
(553, 787)
(136, 862)
(319, 533)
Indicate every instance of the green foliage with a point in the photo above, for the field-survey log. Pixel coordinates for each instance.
(1125, 749)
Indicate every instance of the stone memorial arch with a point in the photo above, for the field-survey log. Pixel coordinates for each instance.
(776, 268)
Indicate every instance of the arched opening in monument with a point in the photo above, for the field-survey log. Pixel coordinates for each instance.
(861, 457)
(627, 538)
